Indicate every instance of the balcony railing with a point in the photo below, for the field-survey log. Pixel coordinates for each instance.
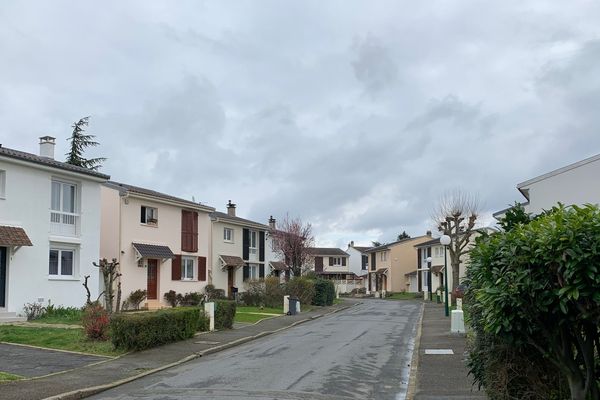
(64, 223)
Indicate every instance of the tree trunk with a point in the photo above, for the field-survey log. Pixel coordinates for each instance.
(577, 387)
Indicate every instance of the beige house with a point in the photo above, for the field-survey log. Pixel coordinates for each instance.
(161, 242)
(391, 265)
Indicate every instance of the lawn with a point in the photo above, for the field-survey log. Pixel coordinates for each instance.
(56, 338)
(6, 377)
(404, 296)
(265, 310)
(72, 320)
(254, 314)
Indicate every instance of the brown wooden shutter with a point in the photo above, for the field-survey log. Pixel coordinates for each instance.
(176, 268)
(201, 268)
(195, 231)
(331, 261)
(189, 231)
(318, 264)
(343, 261)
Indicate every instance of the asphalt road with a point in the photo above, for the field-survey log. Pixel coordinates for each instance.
(361, 353)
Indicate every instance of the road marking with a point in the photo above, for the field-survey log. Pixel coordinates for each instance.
(439, 351)
(206, 342)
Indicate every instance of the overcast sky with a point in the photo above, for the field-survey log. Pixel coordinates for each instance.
(354, 115)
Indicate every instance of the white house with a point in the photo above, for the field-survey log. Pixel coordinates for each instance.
(333, 263)
(49, 229)
(359, 260)
(575, 183)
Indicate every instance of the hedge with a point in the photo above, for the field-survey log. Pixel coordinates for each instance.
(224, 314)
(150, 329)
(324, 292)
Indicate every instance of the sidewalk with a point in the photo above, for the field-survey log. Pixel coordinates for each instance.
(441, 376)
(81, 382)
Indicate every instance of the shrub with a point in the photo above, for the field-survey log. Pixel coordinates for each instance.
(171, 298)
(73, 313)
(224, 314)
(254, 295)
(136, 297)
(213, 293)
(95, 322)
(324, 292)
(140, 331)
(274, 292)
(302, 288)
(190, 299)
(33, 310)
(203, 322)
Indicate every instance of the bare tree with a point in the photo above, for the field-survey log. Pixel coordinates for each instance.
(455, 216)
(110, 273)
(291, 240)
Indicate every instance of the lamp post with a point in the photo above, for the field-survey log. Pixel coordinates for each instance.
(428, 259)
(445, 241)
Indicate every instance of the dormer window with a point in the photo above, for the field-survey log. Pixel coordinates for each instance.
(149, 215)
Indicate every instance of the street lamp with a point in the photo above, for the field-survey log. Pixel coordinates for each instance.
(428, 259)
(445, 241)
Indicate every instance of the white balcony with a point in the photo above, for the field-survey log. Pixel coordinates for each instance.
(64, 223)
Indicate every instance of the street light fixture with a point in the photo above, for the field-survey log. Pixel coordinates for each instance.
(445, 241)
(428, 259)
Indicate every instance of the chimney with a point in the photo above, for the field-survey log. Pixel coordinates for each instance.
(47, 144)
(428, 233)
(272, 222)
(351, 244)
(231, 209)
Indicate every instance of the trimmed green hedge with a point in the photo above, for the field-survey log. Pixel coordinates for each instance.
(150, 329)
(324, 292)
(224, 314)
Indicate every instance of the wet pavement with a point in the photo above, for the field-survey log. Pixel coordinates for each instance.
(363, 352)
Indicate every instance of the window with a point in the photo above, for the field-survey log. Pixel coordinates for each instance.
(228, 234)
(383, 256)
(253, 242)
(438, 251)
(253, 271)
(61, 262)
(2, 184)
(187, 268)
(337, 260)
(149, 215)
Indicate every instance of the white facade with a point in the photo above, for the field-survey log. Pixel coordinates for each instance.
(59, 209)
(356, 263)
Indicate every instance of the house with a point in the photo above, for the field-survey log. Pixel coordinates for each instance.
(431, 275)
(162, 242)
(572, 184)
(391, 265)
(359, 260)
(49, 229)
(239, 248)
(277, 266)
(333, 264)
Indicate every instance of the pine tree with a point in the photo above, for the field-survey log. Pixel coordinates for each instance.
(79, 142)
(403, 235)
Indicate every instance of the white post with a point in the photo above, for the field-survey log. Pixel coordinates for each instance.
(457, 322)
(286, 304)
(209, 309)
(459, 304)
(298, 306)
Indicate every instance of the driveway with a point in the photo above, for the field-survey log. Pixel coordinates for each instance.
(361, 353)
(31, 362)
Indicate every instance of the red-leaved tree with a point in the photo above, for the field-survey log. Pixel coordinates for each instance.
(291, 240)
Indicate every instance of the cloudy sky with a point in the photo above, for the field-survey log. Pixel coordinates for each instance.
(354, 115)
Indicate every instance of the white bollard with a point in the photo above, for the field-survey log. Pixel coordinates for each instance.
(459, 304)
(383, 294)
(209, 309)
(286, 304)
(425, 294)
(298, 307)
(457, 322)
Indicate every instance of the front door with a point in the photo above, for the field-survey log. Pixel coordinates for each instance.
(152, 279)
(2, 276)
(230, 280)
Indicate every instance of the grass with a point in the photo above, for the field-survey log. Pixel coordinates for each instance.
(338, 301)
(254, 314)
(58, 320)
(6, 377)
(404, 296)
(56, 338)
(249, 318)
(265, 310)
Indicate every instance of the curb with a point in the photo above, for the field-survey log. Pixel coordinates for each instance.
(414, 364)
(85, 392)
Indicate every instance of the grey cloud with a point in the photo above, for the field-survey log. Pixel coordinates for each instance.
(373, 65)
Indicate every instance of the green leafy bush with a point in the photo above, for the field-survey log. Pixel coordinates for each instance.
(171, 298)
(136, 297)
(213, 293)
(138, 331)
(254, 293)
(274, 292)
(224, 314)
(95, 322)
(190, 299)
(203, 322)
(302, 288)
(324, 292)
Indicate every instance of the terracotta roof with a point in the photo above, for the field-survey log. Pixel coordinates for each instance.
(13, 236)
(279, 266)
(232, 261)
(225, 216)
(153, 251)
(326, 251)
(48, 162)
(148, 192)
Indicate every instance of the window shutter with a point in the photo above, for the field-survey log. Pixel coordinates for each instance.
(261, 270)
(331, 261)
(373, 261)
(201, 268)
(176, 268)
(261, 246)
(185, 245)
(318, 264)
(246, 244)
(195, 231)
(246, 273)
(143, 214)
(343, 261)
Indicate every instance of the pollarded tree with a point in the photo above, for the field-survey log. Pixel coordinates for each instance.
(455, 216)
(79, 142)
(291, 240)
(538, 285)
